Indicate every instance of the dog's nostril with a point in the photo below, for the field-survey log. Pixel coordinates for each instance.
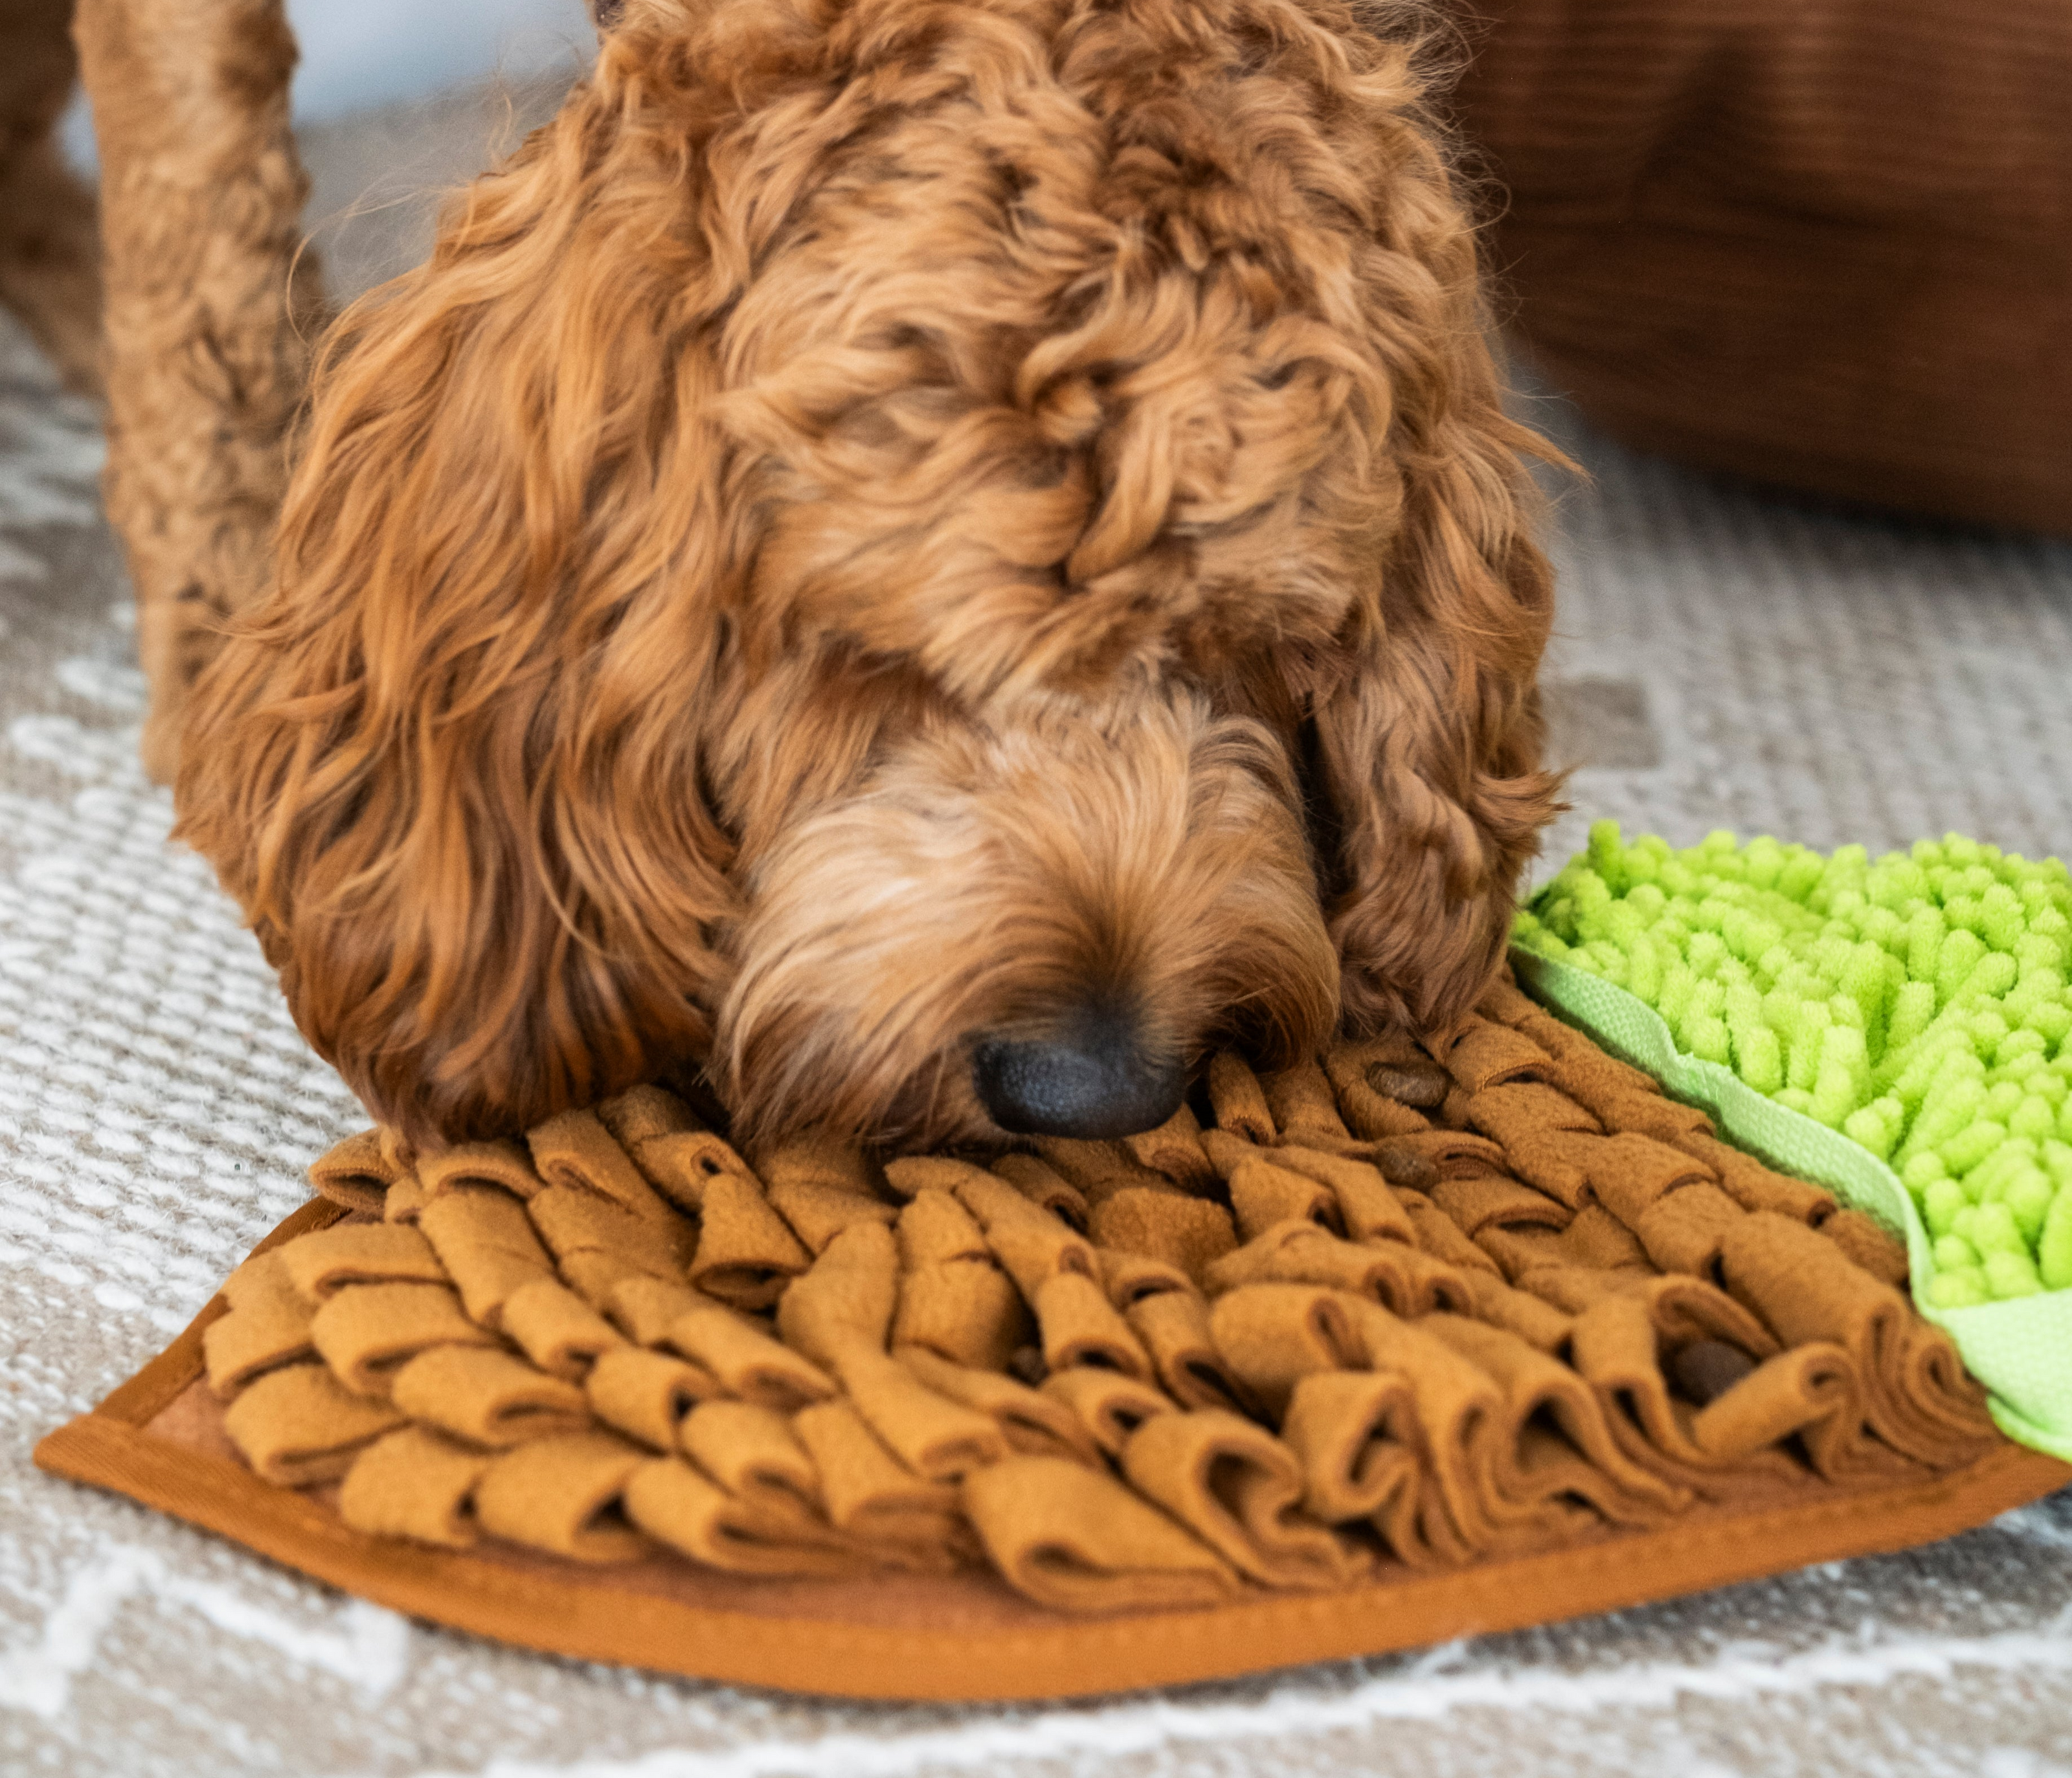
(1094, 1080)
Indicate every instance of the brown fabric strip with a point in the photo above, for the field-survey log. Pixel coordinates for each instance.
(962, 1637)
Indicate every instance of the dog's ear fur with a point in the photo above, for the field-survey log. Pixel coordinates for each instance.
(451, 770)
(1427, 748)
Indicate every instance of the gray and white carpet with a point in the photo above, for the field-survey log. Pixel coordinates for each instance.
(1725, 660)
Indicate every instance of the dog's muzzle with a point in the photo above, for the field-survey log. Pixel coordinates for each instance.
(1096, 1079)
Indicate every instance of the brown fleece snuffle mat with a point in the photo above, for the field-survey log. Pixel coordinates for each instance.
(1399, 1346)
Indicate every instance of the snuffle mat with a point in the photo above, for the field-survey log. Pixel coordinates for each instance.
(1399, 1345)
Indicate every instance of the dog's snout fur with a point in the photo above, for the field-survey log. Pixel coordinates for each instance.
(986, 883)
(887, 525)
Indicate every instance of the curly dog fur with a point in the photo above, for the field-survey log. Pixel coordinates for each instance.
(888, 522)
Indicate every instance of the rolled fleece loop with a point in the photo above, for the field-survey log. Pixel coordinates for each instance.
(1296, 1252)
(1030, 1243)
(1173, 1327)
(501, 1165)
(646, 1395)
(817, 1210)
(1188, 1233)
(753, 1453)
(358, 1172)
(300, 1425)
(1074, 1538)
(966, 1311)
(676, 1505)
(1173, 1151)
(1239, 1490)
(366, 1332)
(871, 1496)
(1100, 1169)
(416, 1484)
(1529, 1465)
(1046, 1189)
(1110, 1405)
(557, 1330)
(489, 1396)
(746, 1253)
(1080, 1327)
(1273, 1335)
(749, 1363)
(1418, 1306)
(561, 1495)
(575, 1151)
(1029, 1421)
(1357, 1439)
(643, 1309)
(268, 1325)
(484, 1241)
(321, 1264)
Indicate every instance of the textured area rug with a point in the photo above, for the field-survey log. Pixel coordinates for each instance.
(1725, 660)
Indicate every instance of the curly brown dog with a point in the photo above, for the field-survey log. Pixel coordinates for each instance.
(934, 556)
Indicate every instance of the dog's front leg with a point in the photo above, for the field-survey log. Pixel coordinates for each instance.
(211, 309)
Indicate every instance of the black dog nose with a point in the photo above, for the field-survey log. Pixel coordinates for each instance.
(1093, 1080)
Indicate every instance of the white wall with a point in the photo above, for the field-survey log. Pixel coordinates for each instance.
(357, 53)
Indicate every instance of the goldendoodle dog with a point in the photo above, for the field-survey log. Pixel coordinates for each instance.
(933, 558)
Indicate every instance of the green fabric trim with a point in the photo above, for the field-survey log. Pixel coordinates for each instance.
(2021, 1350)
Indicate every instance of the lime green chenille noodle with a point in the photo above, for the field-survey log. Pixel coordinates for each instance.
(1917, 1002)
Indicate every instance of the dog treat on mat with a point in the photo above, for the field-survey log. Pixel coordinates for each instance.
(1406, 1305)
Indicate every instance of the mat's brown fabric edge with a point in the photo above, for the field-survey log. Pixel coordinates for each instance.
(584, 1618)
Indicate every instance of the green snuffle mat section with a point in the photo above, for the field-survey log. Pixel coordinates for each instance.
(2019, 1348)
